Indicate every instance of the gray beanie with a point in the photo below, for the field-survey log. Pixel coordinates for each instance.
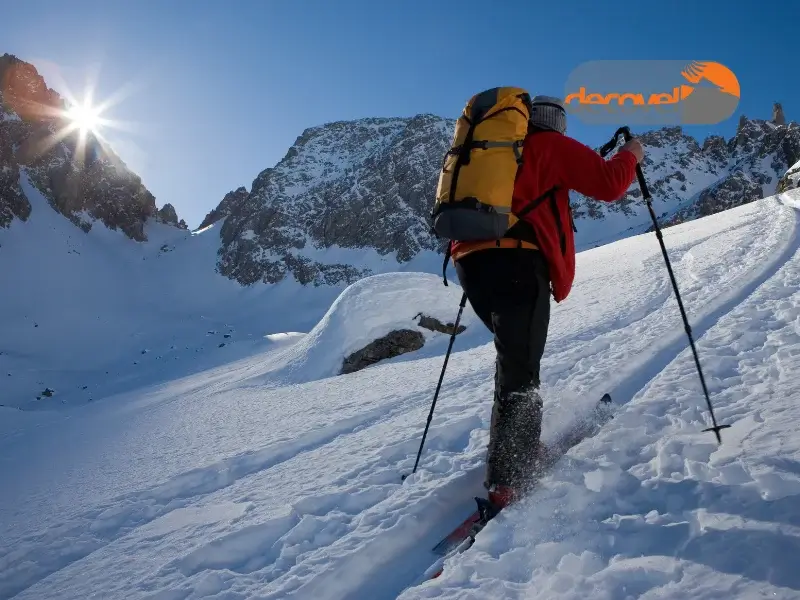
(548, 112)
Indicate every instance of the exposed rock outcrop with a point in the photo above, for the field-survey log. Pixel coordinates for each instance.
(434, 324)
(229, 204)
(168, 215)
(790, 180)
(392, 344)
(777, 114)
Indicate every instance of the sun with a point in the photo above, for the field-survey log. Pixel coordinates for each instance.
(85, 118)
(85, 122)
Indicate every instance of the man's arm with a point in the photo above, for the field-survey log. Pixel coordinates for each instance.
(581, 169)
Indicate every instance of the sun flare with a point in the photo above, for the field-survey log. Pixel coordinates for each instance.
(86, 118)
(84, 121)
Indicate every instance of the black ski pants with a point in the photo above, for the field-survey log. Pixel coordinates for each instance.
(509, 289)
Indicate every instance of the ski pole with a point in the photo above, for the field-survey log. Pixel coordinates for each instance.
(441, 378)
(625, 131)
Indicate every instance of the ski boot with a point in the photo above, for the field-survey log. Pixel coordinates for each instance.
(499, 497)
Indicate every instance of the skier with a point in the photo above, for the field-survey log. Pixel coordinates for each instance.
(508, 283)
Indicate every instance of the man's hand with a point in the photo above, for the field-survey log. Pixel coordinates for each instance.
(635, 147)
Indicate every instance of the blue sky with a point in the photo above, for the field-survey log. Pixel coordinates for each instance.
(214, 92)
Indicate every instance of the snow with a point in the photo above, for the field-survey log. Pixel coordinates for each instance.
(264, 475)
(794, 173)
(85, 305)
(367, 310)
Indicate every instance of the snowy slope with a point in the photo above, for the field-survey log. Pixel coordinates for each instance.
(233, 483)
(102, 311)
(96, 313)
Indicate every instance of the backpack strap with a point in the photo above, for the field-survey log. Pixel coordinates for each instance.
(534, 204)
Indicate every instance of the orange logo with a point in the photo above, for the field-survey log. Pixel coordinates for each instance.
(653, 92)
(712, 72)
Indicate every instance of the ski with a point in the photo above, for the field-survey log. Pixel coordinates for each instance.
(463, 536)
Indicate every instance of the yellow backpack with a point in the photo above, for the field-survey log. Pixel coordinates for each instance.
(476, 182)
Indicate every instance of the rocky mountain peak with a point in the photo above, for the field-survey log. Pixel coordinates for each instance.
(777, 114)
(24, 91)
(668, 136)
(81, 178)
(361, 185)
(228, 205)
(749, 134)
(168, 215)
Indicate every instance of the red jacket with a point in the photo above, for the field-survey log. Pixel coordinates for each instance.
(552, 160)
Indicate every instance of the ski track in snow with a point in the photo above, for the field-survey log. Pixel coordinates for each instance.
(110, 521)
(650, 507)
(673, 515)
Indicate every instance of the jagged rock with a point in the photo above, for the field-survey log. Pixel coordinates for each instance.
(24, 90)
(393, 344)
(790, 180)
(735, 190)
(168, 215)
(13, 202)
(777, 114)
(229, 204)
(742, 122)
(434, 324)
(716, 148)
(83, 180)
(361, 185)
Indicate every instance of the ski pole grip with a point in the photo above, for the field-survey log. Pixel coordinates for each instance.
(612, 143)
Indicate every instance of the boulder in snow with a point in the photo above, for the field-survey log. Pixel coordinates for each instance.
(47, 393)
(395, 343)
(434, 324)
